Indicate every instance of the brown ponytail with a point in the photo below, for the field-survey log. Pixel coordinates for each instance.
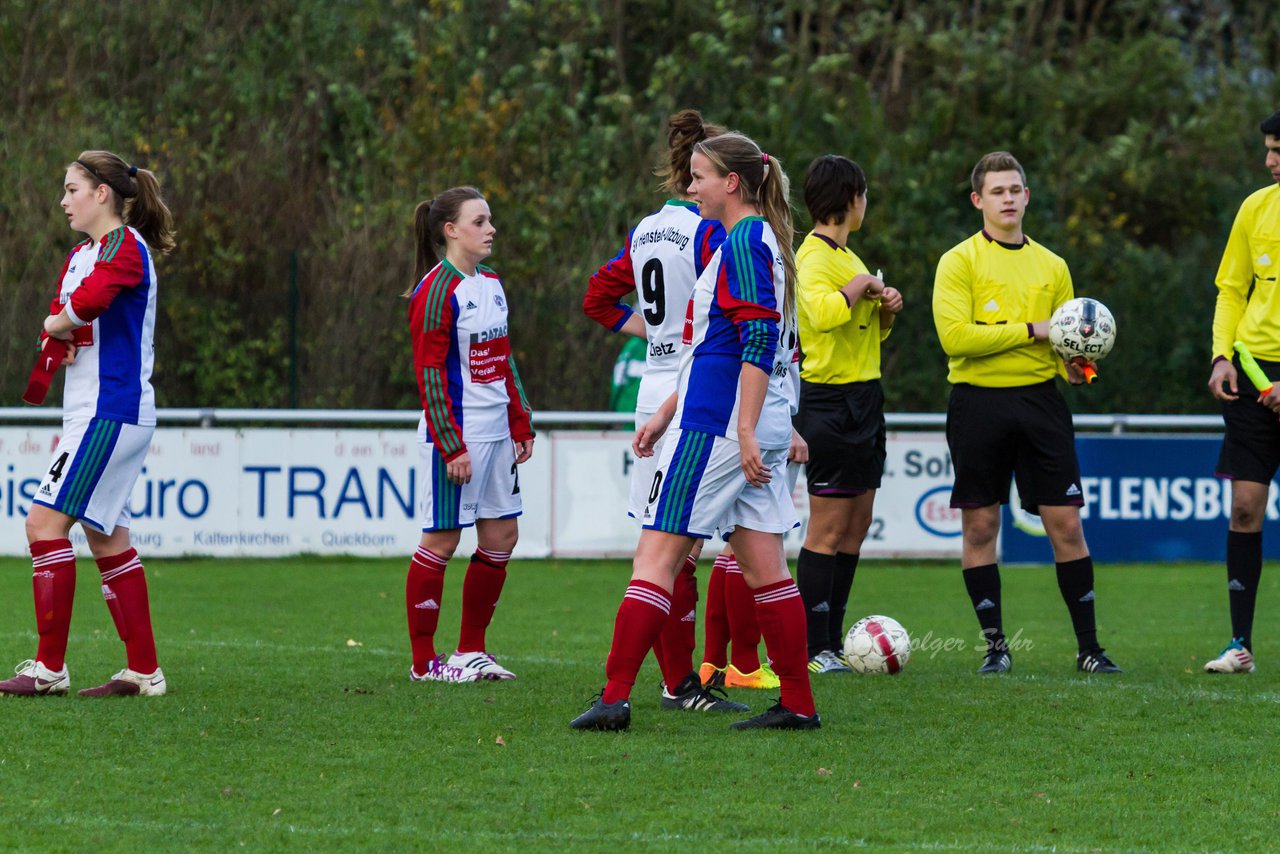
(429, 218)
(684, 130)
(136, 196)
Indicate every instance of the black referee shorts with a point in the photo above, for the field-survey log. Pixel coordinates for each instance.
(1251, 441)
(844, 426)
(996, 434)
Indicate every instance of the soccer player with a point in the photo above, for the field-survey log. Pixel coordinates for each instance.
(731, 648)
(722, 464)
(844, 313)
(1248, 310)
(105, 311)
(663, 257)
(992, 299)
(474, 431)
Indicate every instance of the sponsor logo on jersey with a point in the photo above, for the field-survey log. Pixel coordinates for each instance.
(489, 334)
(659, 235)
(658, 348)
(489, 352)
(1265, 260)
(499, 301)
(471, 305)
(991, 305)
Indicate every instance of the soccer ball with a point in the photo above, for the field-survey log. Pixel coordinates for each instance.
(1082, 327)
(877, 644)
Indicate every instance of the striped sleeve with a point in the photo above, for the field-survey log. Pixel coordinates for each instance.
(119, 266)
(744, 292)
(432, 317)
(605, 290)
(519, 412)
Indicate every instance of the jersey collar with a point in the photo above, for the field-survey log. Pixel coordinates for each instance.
(991, 239)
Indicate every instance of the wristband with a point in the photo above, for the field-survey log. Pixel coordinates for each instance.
(1031, 330)
(1216, 360)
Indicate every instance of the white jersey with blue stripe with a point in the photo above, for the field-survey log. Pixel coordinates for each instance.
(736, 318)
(109, 290)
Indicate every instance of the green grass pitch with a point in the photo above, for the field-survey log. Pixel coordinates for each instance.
(290, 724)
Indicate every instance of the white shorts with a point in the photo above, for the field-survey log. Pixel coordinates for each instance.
(642, 472)
(93, 470)
(699, 487)
(492, 493)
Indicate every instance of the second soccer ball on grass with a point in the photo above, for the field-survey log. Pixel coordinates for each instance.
(877, 644)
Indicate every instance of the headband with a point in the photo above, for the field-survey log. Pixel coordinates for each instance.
(128, 192)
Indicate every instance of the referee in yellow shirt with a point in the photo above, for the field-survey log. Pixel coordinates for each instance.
(1248, 310)
(992, 299)
(844, 314)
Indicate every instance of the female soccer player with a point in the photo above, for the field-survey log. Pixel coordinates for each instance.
(731, 434)
(844, 313)
(663, 257)
(105, 311)
(474, 430)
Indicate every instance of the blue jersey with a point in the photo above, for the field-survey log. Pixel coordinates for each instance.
(735, 318)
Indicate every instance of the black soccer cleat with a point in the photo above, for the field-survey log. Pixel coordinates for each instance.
(606, 717)
(779, 717)
(997, 661)
(692, 696)
(1096, 661)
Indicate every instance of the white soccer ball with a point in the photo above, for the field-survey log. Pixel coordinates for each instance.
(1082, 327)
(877, 644)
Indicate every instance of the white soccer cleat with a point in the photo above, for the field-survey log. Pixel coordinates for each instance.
(483, 663)
(130, 683)
(439, 670)
(1234, 659)
(33, 679)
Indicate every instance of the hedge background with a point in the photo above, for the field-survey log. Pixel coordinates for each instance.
(311, 129)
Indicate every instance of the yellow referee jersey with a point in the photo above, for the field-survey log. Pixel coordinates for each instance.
(984, 295)
(1251, 259)
(840, 344)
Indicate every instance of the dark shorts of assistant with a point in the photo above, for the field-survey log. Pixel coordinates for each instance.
(843, 423)
(999, 434)
(1251, 441)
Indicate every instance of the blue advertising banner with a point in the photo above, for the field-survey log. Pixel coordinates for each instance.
(1147, 498)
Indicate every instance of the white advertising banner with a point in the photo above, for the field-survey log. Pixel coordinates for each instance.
(269, 492)
(590, 471)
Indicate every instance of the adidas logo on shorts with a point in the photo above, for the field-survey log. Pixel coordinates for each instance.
(1073, 489)
(428, 605)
